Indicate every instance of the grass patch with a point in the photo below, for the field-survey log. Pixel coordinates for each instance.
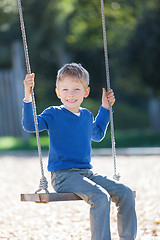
(11, 143)
(134, 138)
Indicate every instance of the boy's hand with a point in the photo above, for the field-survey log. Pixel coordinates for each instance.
(29, 81)
(28, 84)
(107, 97)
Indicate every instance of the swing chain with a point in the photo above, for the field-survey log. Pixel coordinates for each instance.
(43, 181)
(43, 185)
(115, 176)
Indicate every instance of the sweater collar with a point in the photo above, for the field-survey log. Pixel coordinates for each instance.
(66, 110)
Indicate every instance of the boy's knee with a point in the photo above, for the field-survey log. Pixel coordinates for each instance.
(128, 197)
(125, 196)
(101, 199)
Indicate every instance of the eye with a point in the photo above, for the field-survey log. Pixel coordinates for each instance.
(77, 89)
(64, 89)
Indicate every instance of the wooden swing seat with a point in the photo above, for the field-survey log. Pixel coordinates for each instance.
(52, 197)
(49, 197)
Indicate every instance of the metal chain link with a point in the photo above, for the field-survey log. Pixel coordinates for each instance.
(115, 176)
(43, 181)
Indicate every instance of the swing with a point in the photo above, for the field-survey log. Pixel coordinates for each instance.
(51, 197)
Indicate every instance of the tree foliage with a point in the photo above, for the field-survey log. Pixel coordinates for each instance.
(8, 15)
(144, 50)
(60, 31)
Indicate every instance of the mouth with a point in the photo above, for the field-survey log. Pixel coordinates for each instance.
(71, 101)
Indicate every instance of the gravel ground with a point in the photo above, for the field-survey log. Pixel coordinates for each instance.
(70, 220)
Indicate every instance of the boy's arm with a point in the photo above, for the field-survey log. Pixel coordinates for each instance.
(100, 124)
(102, 120)
(28, 119)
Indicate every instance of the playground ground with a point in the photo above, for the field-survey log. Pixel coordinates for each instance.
(70, 220)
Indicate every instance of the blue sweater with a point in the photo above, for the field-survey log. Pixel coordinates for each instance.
(69, 135)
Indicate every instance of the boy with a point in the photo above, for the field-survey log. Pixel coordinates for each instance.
(71, 129)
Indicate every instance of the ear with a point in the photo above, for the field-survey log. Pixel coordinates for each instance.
(58, 93)
(87, 91)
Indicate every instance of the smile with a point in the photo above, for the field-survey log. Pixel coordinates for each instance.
(71, 101)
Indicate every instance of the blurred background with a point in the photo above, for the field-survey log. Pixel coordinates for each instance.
(63, 31)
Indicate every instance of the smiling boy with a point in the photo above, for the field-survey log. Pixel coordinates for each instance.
(71, 130)
(71, 92)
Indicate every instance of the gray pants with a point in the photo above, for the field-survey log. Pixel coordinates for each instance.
(97, 190)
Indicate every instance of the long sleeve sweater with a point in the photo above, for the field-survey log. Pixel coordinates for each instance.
(70, 135)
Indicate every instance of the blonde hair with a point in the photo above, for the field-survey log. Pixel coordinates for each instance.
(74, 70)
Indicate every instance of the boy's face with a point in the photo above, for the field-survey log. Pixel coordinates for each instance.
(71, 92)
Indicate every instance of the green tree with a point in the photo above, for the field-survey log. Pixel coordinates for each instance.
(142, 59)
(8, 15)
(59, 31)
(144, 50)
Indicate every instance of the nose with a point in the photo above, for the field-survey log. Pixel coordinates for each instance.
(71, 93)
